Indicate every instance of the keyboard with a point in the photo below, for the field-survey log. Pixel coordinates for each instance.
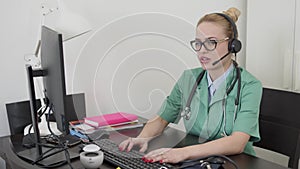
(127, 160)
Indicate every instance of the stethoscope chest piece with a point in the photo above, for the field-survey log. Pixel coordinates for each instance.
(186, 113)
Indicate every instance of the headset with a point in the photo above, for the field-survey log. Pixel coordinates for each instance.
(234, 46)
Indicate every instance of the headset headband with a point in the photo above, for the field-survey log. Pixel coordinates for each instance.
(232, 23)
(234, 46)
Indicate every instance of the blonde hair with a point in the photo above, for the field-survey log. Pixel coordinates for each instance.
(232, 13)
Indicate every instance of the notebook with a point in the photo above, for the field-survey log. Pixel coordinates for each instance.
(110, 119)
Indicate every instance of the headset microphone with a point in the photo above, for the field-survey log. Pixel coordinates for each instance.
(217, 61)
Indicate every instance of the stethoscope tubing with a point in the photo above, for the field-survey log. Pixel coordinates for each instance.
(187, 110)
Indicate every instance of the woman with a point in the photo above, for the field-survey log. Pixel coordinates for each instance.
(228, 129)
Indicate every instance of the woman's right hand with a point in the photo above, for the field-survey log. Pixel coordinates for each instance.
(128, 144)
(153, 128)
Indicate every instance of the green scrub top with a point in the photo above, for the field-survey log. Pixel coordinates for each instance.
(207, 118)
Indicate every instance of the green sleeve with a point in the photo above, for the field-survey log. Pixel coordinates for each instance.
(172, 105)
(247, 117)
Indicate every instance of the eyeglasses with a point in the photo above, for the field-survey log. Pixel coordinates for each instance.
(209, 44)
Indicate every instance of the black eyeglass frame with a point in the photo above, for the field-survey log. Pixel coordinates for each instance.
(214, 41)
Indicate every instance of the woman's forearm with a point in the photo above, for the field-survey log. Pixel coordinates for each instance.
(233, 144)
(153, 128)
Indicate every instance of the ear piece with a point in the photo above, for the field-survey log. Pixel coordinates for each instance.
(234, 45)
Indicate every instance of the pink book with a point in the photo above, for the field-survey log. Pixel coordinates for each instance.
(110, 119)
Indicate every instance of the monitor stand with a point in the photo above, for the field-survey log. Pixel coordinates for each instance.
(57, 158)
(51, 156)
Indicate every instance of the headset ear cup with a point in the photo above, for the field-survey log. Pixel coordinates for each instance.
(234, 46)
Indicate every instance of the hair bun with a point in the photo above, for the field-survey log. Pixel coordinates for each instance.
(233, 13)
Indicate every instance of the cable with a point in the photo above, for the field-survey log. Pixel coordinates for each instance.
(40, 112)
(212, 161)
(64, 145)
(46, 155)
(60, 147)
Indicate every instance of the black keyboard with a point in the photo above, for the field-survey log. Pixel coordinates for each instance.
(126, 160)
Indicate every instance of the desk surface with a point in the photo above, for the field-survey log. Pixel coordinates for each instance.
(170, 138)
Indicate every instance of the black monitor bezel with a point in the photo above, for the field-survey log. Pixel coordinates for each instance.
(52, 63)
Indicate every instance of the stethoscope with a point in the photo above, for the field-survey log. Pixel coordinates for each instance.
(186, 113)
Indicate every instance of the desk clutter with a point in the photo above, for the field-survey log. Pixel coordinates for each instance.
(88, 126)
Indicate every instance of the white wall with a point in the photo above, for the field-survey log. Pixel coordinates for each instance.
(274, 45)
(18, 35)
(129, 62)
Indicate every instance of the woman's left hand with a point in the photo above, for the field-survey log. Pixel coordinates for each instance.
(166, 155)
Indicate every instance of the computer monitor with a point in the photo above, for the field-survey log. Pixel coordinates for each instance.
(52, 62)
(63, 106)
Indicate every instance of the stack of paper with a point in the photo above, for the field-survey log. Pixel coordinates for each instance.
(80, 126)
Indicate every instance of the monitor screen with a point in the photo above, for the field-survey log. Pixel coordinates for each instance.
(52, 62)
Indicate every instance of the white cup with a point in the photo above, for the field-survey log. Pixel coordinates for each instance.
(92, 157)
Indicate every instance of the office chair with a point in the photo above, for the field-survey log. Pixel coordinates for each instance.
(279, 124)
(19, 116)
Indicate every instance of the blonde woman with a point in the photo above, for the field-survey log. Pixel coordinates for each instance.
(218, 102)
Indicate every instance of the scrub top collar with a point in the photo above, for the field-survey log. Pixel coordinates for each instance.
(214, 85)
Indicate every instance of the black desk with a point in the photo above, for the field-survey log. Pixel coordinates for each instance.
(171, 137)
